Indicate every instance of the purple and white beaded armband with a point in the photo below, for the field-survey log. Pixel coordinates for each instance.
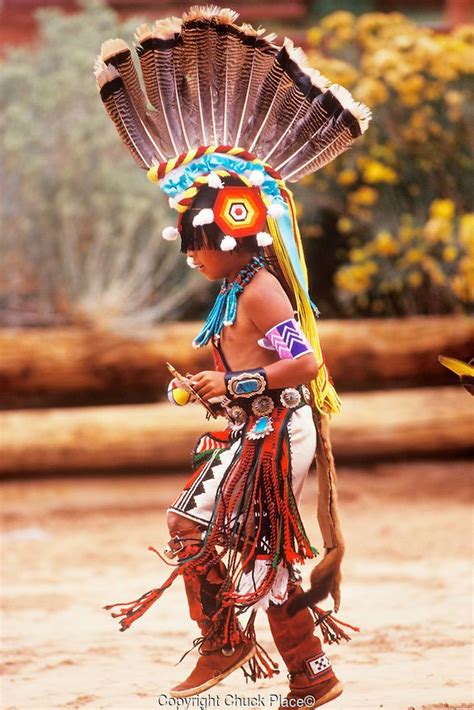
(287, 339)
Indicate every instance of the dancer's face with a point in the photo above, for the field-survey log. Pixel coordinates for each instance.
(216, 265)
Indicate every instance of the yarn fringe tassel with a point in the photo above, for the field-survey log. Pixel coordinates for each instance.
(261, 665)
(131, 611)
(325, 397)
(331, 627)
(260, 482)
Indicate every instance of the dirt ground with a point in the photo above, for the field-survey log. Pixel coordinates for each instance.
(71, 545)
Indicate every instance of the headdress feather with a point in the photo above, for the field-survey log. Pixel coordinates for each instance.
(212, 82)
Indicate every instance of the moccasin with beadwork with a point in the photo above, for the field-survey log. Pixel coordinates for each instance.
(213, 667)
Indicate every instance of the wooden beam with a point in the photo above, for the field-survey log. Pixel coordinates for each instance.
(373, 425)
(66, 366)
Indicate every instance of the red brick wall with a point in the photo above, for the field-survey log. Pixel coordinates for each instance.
(17, 24)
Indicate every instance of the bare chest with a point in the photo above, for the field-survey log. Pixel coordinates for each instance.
(239, 344)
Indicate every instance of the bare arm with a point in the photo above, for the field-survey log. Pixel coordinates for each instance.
(266, 307)
(265, 304)
(290, 373)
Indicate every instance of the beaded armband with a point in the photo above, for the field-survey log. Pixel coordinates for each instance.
(288, 340)
(246, 383)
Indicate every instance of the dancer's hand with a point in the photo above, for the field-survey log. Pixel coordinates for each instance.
(209, 383)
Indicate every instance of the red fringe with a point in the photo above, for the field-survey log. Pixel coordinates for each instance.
(268, 476)
(131, 611)
(331, 627)
(261, 665)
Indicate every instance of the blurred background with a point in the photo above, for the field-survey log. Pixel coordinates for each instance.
(93, 303)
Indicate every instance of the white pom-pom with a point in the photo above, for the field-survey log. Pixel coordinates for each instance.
(275, 210)
(172, 203)
(205, 216)
(213, 180)
(228, 243)
(264, 239)
(190, 262)
(170, 234)
(256, 177)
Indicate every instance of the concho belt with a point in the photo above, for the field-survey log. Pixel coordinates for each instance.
(238, 410)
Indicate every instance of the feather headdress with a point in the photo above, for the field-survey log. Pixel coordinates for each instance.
(221, 101)
(209, 82)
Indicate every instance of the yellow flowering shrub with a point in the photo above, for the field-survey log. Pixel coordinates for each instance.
(404, 193)
(407, 271)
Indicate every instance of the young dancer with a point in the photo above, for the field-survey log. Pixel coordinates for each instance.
(235, 116)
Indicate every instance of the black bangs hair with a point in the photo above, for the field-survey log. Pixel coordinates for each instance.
(209, 236)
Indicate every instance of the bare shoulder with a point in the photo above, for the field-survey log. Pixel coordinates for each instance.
(265, 301)
(263, 289)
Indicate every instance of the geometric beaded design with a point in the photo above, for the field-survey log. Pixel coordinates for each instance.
(317, 665)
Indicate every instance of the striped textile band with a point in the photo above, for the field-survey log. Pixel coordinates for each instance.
(158, 172)
(187, 197)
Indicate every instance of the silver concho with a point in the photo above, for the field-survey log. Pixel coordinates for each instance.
(236, 414)
(306, 394)
(260, 429)
(228, 650)
(290, 397)
(261, 406)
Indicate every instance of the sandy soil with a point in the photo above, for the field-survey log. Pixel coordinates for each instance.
(70, 546)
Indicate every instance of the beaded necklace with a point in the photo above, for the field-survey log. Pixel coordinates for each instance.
(224, 310)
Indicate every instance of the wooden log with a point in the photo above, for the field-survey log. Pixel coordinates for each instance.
(74, 366)
(404, 423)
(391, 353)
(70, 366)
(400, 423)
